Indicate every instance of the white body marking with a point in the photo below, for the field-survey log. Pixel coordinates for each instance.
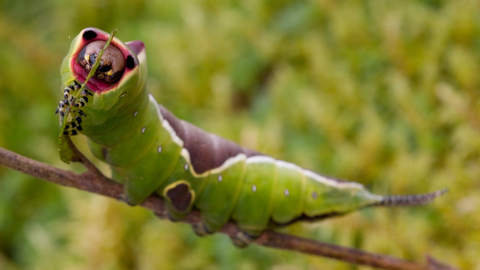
(165, 123)
(254, 159)
(327, 181)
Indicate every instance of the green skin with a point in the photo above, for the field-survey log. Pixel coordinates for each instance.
(127, 129)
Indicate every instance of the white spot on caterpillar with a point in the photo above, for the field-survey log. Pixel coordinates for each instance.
(143, 129)
(122, 95)
(254, 188)
(220, 178)
(159, 149)
(314, 195)
(286, 192)
(186, 166)
(135, 113)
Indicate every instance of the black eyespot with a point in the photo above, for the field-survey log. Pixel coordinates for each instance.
(130, 62)
(89, 35)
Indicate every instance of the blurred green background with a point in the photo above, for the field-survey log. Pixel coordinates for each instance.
(385, 93)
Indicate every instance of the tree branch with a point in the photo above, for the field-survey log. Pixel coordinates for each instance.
(95, 182)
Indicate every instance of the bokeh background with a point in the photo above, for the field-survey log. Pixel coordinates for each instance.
(385, 93)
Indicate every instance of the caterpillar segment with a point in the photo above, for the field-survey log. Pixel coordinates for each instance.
(150, 151)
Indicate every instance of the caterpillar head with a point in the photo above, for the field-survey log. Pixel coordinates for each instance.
(122, 66)
(112, 62)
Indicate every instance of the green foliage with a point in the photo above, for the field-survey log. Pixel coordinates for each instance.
(385, 93)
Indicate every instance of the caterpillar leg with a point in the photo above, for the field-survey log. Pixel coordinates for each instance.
(80, 113)
(69, 90)
(70, 132)
(61, 107)
(206, 227)
(69, 99)
(73, 127)
(83, 100)
(200, 229)
(242, 239)
(69, 94)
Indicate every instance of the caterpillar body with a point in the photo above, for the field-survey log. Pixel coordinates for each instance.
(151, 151)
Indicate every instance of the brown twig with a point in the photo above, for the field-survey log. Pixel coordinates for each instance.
(94, 181)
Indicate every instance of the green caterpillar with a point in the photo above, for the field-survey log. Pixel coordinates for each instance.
(150, 151)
